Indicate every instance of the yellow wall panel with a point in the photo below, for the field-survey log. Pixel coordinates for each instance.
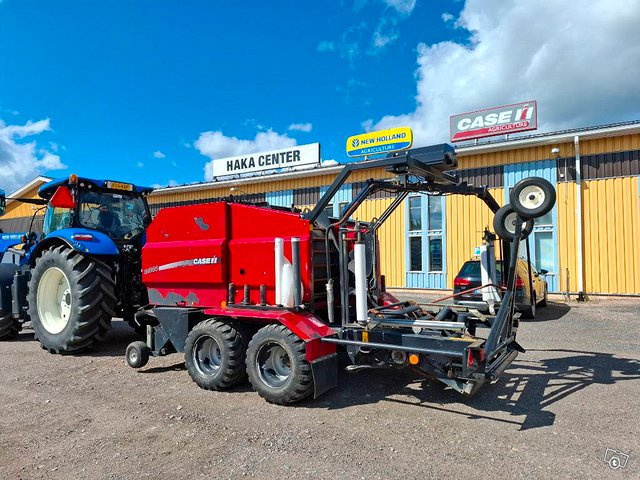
(520, 155)
(19, 209)
(467, 217)
(567, 240)
(250, 187)
(390, 236)
(611, 236)
(610, 144)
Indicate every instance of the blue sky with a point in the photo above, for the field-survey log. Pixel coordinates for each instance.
(124, 89)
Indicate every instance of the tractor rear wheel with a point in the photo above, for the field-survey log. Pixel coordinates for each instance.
(214, 354)
(71, 300)
(9, 326)
(277, 365)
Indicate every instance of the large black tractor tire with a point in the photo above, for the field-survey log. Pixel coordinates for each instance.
(71, 300)
(215, 353)
(9, 326)
(277, 366)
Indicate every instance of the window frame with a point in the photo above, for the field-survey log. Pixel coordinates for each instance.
(426, 233)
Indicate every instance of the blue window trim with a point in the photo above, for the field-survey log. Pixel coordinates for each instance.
(425, 233)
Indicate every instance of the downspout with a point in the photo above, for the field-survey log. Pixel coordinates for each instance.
(581, 296)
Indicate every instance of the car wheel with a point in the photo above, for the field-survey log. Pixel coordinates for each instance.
(543, 302)
(530, 312)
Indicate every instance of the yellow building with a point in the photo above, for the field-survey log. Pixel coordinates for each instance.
(589, 243)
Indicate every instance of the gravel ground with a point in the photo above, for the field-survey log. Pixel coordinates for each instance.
(553, 414)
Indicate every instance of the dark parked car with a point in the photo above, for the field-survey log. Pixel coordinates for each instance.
(469, 277)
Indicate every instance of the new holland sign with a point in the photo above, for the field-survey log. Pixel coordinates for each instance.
(382, 141)
(518, 117)
(275, 159)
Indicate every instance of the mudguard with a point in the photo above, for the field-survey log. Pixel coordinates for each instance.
(93, 242)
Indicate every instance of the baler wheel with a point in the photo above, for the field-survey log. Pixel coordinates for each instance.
(504, 223)
(137, 354)
(532, 197)
(277, 365)
(9, 326)
(214, 354)
(71, 300)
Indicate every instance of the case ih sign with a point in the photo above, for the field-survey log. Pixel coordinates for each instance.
(518, 117)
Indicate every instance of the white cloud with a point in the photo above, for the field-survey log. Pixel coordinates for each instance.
(580, 60)
(402, 6)
(170, 183)
(21, 162)
(301, 127)
(386, 32)
(447, 17)
(158, 154)
(140, 164)
(217, 145)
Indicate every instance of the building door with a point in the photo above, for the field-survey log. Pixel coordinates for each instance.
(543, 242)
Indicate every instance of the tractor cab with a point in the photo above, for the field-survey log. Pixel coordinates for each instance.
(116, 209)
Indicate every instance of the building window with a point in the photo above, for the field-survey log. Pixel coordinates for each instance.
(435, 254)
(425, 234)
(329, 210)
(415, 254)
(415, 214)
(435, 213)
(543, 251)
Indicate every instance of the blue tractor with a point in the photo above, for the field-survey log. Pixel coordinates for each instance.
(83, 270)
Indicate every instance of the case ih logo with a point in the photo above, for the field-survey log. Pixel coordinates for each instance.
(518, 117)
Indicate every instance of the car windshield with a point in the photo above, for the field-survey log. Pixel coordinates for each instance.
(116, 214)
(471, 269)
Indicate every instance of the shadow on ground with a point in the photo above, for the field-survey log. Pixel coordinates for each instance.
(526, 391)
(553, 311)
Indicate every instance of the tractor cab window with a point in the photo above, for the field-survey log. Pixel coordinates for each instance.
(118, 215)
(56, 218)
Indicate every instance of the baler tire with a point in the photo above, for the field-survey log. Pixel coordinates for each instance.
(92, 299)
(9, 326)
(532, 197)
(504, 218)
(273, 383)
(215, 353)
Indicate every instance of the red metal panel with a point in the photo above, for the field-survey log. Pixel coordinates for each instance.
(193, 252)
(251, 249)
(185, 258)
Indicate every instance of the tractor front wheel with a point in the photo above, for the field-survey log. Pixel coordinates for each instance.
(277, 365)
(71, 300)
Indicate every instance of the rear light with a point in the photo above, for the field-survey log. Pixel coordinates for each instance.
(82, 236)
(475, 357)
(461, 282)
(519, 283)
